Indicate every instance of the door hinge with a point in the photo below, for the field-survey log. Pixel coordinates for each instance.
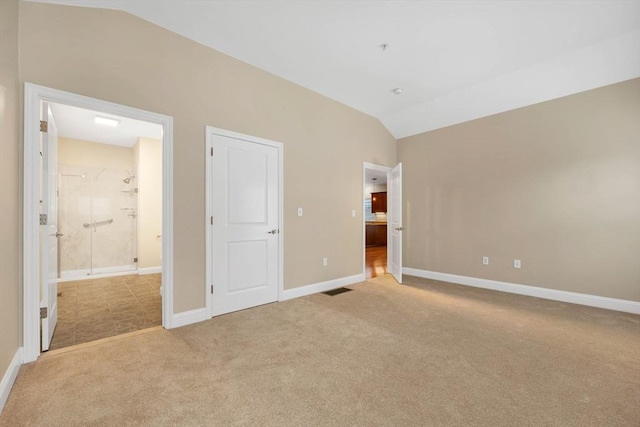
(211, 220)
(212, 289)
(43, 219)
(43, 312)
(135, 259)
(44, 126)
(212, 151)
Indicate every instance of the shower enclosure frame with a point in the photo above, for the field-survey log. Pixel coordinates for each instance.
(91, 227)
(34, 95)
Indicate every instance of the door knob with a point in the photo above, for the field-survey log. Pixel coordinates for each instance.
(399, 228)
(58, 234)
(274, 231)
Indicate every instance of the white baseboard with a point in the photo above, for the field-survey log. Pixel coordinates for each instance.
(314, 288)
(97, 275)
(532, 291)
(200, 314)
(149, 270)
(188, 317)
(10, 377)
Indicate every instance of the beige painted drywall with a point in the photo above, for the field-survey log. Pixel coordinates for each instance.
(10, 188)
(117, 57)
(94, 155)
(556, 185)
(148, 159)
(370, 188)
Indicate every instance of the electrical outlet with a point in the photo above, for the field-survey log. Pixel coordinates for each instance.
(325, 262)
(485, 260)
(517, 263)
(299, 211)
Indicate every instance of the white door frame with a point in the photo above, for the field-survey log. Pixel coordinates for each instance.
(209, 134)
(380, 168)
(33, 96)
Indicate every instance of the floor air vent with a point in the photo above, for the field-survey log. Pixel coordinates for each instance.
(338, 291)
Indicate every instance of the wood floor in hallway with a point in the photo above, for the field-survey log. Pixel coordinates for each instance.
(93, 309)
(375, 261)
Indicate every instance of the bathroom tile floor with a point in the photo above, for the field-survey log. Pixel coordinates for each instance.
(92, 309)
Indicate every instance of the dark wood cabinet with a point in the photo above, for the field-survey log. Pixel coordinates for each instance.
(370, 238)
(376, 234)
(379, 202)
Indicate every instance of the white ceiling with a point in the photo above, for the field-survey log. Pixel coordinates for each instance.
(78, 123)
(455, 60)
(369, 174)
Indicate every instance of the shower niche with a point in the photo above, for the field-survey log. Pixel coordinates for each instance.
(97, 216)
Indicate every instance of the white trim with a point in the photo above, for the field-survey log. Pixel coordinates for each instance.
(33, 96)
(97, 276)
(532, 291)
(208, 250)
(166, 287)
(9, 377)
(321, 287)
(209, 133)
(85, 273)
(149, 270)
(189, 317)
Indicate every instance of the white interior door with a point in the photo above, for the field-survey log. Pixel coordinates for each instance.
(394, 190)
(49, 228)
(245, 230)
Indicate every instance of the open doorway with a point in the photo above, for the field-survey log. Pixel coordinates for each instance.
(375, 213)
(98, 182)
(109, 224)
(382, 221)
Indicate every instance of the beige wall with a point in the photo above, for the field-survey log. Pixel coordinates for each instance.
(117, 57)
(370, 188)
(94, 155)
(556, 185)
(10, 188)
(148, 158)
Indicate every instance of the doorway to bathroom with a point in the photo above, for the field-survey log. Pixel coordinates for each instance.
(109, 193)
(109, 224)
(96, 266)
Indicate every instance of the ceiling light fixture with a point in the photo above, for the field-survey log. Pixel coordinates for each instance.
(106, 121)
(397, 90)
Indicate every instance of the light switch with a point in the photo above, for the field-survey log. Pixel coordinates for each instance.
(353, 213)
(299, 211)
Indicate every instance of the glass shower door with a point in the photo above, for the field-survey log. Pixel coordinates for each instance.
(74, 212)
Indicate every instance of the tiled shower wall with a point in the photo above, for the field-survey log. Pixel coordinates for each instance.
(88, 195)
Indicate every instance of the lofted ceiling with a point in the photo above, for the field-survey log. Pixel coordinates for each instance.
(455, 60)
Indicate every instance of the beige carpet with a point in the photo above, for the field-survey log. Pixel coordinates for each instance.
(423, 354)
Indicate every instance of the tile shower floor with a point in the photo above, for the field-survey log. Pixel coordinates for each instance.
(92, 309)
